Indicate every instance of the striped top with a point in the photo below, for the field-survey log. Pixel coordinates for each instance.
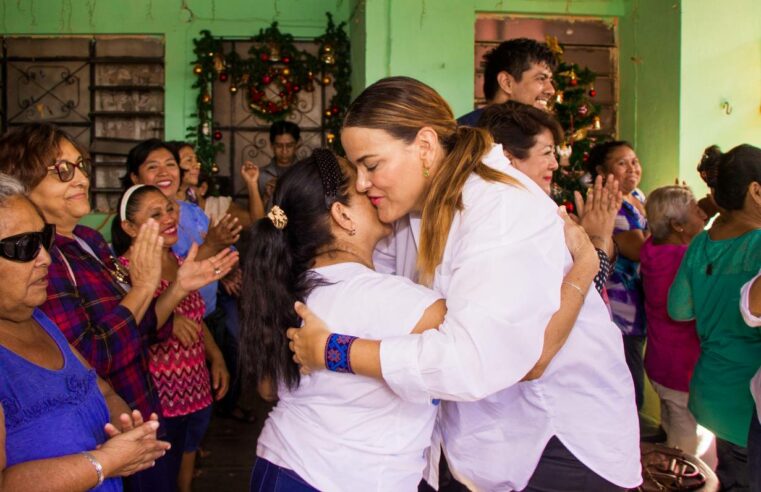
(180, 374)
(625, 284)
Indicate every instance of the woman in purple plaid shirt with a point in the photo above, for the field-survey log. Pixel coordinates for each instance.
(87, 299)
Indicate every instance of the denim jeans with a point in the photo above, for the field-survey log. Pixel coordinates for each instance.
(268, 477)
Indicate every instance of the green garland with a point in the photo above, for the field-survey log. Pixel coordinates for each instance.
(272, 77)
(579, 115)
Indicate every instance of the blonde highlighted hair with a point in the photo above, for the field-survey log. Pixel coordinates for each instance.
(402, 106)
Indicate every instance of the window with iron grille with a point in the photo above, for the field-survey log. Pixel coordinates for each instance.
(106, 91)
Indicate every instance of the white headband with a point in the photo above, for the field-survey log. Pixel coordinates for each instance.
(125, 200)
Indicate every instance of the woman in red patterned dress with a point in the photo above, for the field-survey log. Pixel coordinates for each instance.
(177, 365)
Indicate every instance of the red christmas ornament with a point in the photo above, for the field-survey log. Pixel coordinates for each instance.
(264, 56)
(569, 207)
(574, 81)
(223, 77)
(585, 156)
(592, 93)
(286, 60)
(256, 96)
(217, 135)
(272, 107)
(296, 88)
(334, 110)
(266, 79)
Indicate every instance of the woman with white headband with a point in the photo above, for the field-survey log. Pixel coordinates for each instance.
(177, 365)
(86, 297)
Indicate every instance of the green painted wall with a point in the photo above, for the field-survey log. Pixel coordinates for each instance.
(177, 23)
(649, 86)
(433, 41)
(721, 61)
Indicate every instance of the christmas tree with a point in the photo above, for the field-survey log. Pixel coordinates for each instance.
(578, 114)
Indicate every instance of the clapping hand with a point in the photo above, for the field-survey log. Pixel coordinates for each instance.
(145, 257)
(192, 274)
(250, 173)
(224, 233)
(597, 215)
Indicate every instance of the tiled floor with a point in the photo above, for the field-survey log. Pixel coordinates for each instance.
(233, 448)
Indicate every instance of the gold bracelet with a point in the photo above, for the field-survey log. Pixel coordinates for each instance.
(578, 289)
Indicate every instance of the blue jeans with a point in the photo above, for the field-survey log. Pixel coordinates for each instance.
(268, 477)
(754, 454)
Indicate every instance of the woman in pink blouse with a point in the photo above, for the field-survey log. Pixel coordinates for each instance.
(673, 347)
(177, 365)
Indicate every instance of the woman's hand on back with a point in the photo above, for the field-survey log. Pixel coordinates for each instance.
(145, 257)
(576, 239)
(308, 342)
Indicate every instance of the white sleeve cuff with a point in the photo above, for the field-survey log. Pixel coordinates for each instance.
(399, 364)
(751, 320)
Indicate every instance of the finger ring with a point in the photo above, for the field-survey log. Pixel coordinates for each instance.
(217, 271)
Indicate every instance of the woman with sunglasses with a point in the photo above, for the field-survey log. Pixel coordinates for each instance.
(110, 325)
(54, 410)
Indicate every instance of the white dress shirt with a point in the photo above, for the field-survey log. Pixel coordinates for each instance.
(755, 321)
(500, 274)
(342, 432)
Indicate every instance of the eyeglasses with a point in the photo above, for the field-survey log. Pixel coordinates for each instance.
(66, 169)
(25, 247)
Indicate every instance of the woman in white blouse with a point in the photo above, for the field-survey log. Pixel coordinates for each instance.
(329, 431)
(490, 241)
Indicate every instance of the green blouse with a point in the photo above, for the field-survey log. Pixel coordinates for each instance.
(707, 289)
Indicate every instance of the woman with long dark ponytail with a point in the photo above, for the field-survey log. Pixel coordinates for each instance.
(329, 431)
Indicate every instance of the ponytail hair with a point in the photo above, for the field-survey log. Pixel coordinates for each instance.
(402, 106)
(276, 267)
(120, 240)
(735, 171)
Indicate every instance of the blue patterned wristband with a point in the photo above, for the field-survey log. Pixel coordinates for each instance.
(337, 353)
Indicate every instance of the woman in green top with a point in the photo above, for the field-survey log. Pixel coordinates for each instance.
(706, 288)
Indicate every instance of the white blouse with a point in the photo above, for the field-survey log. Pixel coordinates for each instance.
(342, 432)
(501, 274)
(754, 321)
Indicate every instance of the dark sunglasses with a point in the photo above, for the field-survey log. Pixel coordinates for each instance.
(25, 247)
(66, 169)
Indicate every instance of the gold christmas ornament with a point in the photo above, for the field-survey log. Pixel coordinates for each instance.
(206, 98)
(214, 168)
(197, 69)
(326, 80)
(233, 89)
(579, 134)
(597, 124)
(286, 71)
(219, 63)
(274, 52)
(559, 97)
(554, 45)
(331, 137)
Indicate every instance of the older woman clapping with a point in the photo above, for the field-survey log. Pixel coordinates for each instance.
(87, 299)
(52, 406)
